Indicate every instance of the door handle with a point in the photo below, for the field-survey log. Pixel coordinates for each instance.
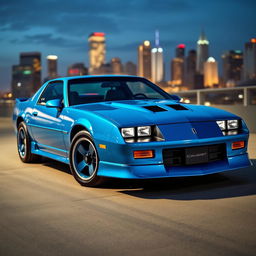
(35, 113)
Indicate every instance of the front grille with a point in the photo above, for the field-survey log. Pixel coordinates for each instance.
(179, 157)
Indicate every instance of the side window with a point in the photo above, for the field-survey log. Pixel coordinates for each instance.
(53, 91)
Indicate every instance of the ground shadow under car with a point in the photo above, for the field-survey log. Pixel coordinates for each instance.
(241, 182)
(237, 183)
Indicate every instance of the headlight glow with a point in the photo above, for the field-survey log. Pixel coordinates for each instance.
(143, 131)
(232, 124)
(128, 132)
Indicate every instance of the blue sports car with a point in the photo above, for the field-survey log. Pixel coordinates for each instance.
(126, 127)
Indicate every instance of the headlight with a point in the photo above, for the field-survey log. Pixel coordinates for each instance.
(222, 125)
(141, 134)
(128, 132)
(229, 127)
(144, 131)
(232, 124)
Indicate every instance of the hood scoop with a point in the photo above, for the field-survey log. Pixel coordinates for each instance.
(155, 108)
(177, 107)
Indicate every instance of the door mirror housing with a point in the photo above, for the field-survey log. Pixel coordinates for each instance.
(176, 97)
(56, 103)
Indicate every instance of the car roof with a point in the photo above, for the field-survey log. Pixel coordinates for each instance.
(94, 76)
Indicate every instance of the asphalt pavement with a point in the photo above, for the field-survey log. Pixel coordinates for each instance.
(44, 211)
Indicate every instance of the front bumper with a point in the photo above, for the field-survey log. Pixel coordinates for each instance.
(160, 171)
(124, 166)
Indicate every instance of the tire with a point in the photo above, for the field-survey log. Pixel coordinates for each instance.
(24, 145)
(84, 160)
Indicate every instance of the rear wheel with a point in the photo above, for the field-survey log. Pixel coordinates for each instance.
(24, 145)
(84, 160)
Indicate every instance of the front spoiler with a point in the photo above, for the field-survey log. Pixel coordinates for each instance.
(114, 170)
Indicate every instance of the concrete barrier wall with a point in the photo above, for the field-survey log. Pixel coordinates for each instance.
(248, 113)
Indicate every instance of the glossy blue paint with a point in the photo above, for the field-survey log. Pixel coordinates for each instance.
(159, 171)
(54, 103)
(51, 128)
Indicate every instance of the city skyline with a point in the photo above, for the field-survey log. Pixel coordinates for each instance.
(177, 21)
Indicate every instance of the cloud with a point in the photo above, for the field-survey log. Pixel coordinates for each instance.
(48, 39)
(71, 17)
(75, 17)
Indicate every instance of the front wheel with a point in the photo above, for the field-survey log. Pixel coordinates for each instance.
(84, 160)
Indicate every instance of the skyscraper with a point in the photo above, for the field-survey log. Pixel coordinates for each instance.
(250, 60)
(190, 69)
(117, 67)
(33, 59)
(22, 81)
(177, 71)
(52, 66)
(202, 53)
(232, 67)
(180, 51)
(105, 69)
(26, 77)
(178, 66)
(144, 60)
(97, 51)
(77, 69)
(211, 77)
(157, 61)
(130, 68)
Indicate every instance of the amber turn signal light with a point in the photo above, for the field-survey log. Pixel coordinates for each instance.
(143, 154)
(238, 144)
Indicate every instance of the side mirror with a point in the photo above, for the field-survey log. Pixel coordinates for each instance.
(57, 103)
(176, 97)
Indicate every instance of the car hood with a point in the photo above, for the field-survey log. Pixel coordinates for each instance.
(150, 112)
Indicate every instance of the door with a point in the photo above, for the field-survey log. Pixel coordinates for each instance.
(47, 123)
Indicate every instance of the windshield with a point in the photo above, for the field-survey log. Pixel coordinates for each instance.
(90, 90)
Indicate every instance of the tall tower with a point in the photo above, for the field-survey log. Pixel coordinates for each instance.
(211, 77)
(202, 52)
(52, 66)
(33, 59)
(190, 67)
(144, 60)
(117, 67)
(177, 66)
(232, 67)
(26, 77)
(180, 51)
(250, 60)
(157, 61)
(177, 71)
(97, 51)
(130, 68)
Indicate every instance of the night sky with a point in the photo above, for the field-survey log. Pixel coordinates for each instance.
(62, 28)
